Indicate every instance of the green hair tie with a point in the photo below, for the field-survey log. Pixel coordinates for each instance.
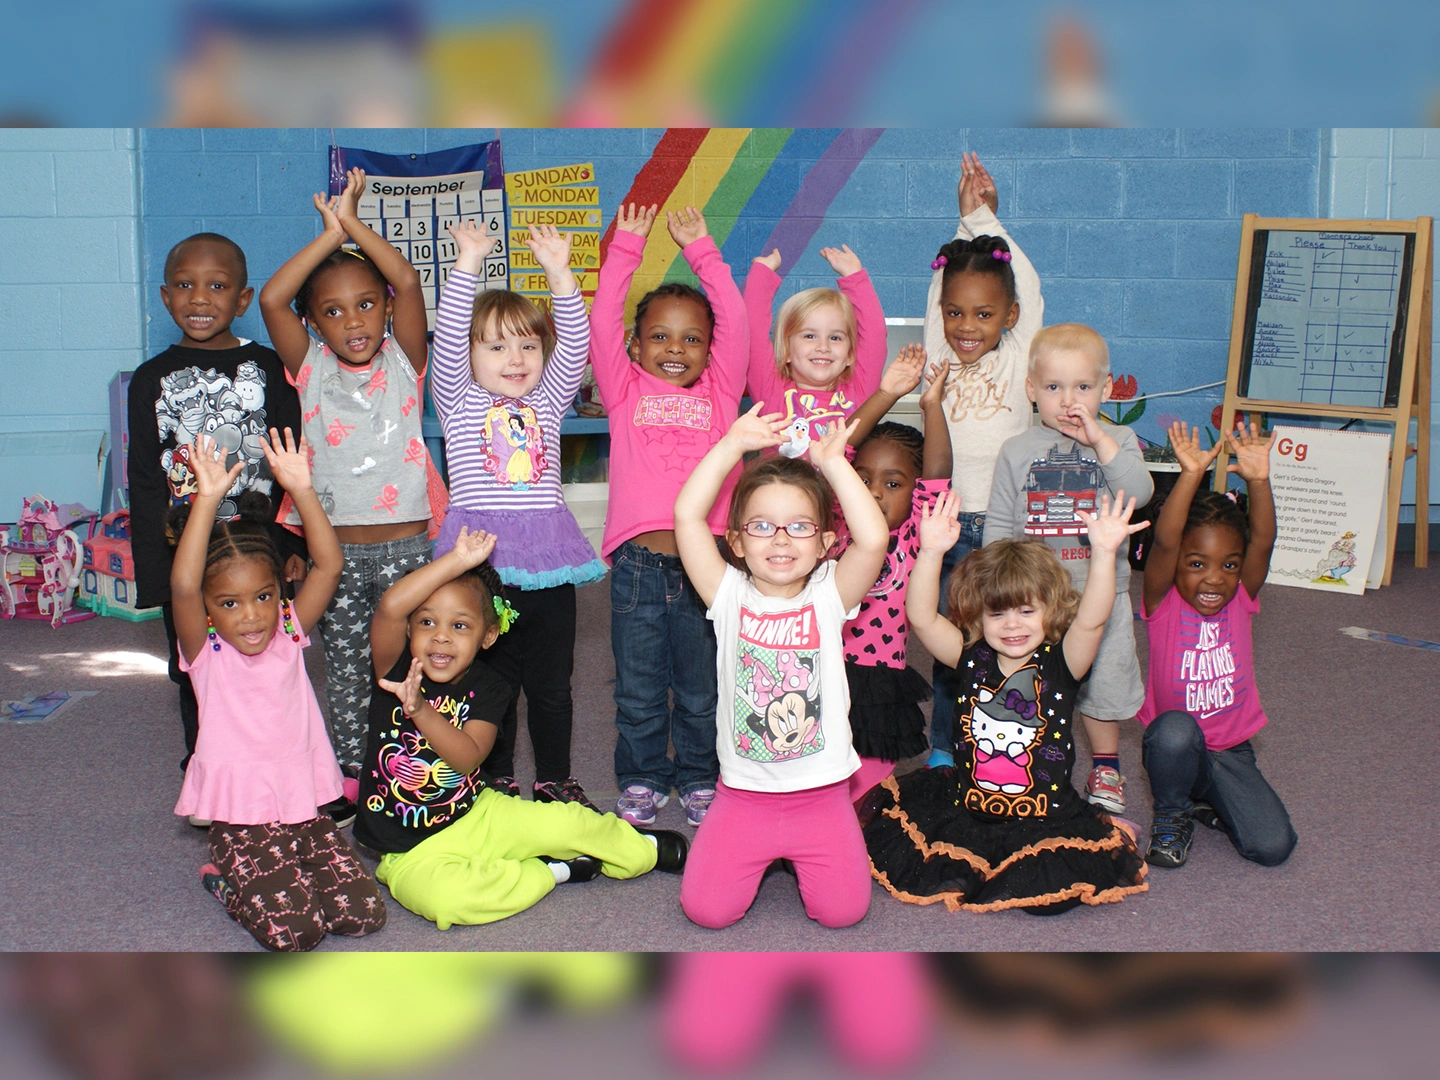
(505, 613)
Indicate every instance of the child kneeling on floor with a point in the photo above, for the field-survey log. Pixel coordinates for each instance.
(455, 850)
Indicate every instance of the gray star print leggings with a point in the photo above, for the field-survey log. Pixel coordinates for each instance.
(370, 569)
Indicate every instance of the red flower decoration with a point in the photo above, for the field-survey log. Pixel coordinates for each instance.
(1123, 388)
(1215, 418)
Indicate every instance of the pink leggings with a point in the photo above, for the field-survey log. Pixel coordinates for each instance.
(745, 831)
(871, 772)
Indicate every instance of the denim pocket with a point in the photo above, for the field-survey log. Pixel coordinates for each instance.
(624, 584)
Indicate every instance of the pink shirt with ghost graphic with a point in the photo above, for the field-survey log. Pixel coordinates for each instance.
(658, 431)
(1203, 666)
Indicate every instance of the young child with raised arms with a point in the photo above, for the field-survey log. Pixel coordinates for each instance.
(1045, 477)
(1003, 827)
(262, 765)
(1210, 556)
(359, 387)
(671, 391)
(828, 349)
(209, 381)
(784, 742)
(983, 308)
(905, 472)
(457, 849)
(502, 380)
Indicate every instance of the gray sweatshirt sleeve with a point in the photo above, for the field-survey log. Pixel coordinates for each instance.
(1126, 471)
(1005, 516)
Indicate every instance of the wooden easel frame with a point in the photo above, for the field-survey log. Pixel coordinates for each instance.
(1414, 397)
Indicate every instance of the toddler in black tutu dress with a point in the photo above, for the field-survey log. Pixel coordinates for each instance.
(1004, 828)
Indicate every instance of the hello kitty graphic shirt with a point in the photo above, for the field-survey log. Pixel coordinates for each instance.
(1202, 665)
(782, 716)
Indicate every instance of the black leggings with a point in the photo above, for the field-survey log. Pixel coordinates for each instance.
(537, 655)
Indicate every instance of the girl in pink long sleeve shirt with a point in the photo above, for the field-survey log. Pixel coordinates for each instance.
(671, 392)
(828, 350)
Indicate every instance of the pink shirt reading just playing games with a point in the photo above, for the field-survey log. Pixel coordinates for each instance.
(659, 431)
(818, 407)
(1203, 666)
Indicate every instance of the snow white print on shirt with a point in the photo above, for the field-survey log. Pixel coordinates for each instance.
(514, 445)
(777, 686)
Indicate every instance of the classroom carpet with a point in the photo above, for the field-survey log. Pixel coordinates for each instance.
(94, 858)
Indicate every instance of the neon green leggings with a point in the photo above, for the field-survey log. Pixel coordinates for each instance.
(486, 866)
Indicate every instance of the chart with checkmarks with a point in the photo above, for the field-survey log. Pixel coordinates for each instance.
(412, 200)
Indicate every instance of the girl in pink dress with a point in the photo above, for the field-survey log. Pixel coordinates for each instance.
(262, 764)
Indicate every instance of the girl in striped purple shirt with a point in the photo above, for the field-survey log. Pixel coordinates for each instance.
(502, 380)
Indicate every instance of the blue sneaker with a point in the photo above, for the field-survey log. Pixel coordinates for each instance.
(940, 759)
(637, 804)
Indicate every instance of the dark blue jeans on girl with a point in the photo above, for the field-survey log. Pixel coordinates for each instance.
(664, 674)
(947, 686)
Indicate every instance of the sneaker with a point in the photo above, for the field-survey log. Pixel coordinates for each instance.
(1204, 814)
(1105, 788)
(940, 759)
(200, 822)
(671, 849)
(505, 785)
(582, 867)
(637, 804)
(215, 883)
(342, 810)
(567, 790)
(350, 785)
(1170, 839)
(696, 803)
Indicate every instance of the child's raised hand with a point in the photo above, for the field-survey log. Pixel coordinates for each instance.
(349, 206)
(842, 260)
(772, 260)
(903, 374)
(329, 212)
(1109, 528)
(935, 387)
(473, 548)
(411, 699)
(636, 219)
(686, 226)
(1252, 453)
(756, 431)
(1081, 417)
(831, 444)
(977, 188)
(940, 523)
(212, 479)
(550, 247)
(470, 239)
(1185, 444)
(289, 464)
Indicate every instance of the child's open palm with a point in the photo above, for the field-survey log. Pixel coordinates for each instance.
(1252, 453)
(636, 219)
(842, 260)
(212, 479)
(686, 226)
(411, 699)
(470, 239)
(1185, 444)
(1109, 528)
(473, 548)
(831, 444)
(754, 431)
(903, 374)
(935, 388)
(550, 247)
(940, 523)
(289, 464)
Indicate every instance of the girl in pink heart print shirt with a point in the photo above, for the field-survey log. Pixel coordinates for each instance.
(828, 349)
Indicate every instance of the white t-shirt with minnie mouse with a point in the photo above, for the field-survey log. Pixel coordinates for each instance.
(782, 717)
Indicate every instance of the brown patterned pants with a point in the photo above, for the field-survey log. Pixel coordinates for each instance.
(293, 884)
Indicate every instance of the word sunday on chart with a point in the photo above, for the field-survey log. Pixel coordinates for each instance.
(1326, 317)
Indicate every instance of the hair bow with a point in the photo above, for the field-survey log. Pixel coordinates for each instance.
(1017, 703)
(505, 613)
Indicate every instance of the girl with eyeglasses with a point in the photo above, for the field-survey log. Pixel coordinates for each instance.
(783, 730)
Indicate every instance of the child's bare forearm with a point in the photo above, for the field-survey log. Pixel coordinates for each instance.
(407, 594)
(453, 745)
(187, 571)
(320, 538)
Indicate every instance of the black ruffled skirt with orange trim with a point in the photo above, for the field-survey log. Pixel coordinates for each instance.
(927, 848)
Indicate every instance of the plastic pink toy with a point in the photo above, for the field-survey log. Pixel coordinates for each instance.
(40, 563)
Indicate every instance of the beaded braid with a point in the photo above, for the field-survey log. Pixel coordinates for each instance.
(982, 255)
(244, 537)
(1219, 508)
(903, 436)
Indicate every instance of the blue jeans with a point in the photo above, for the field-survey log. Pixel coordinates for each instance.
(1182, 769)
(664, 652)
(942, 713)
